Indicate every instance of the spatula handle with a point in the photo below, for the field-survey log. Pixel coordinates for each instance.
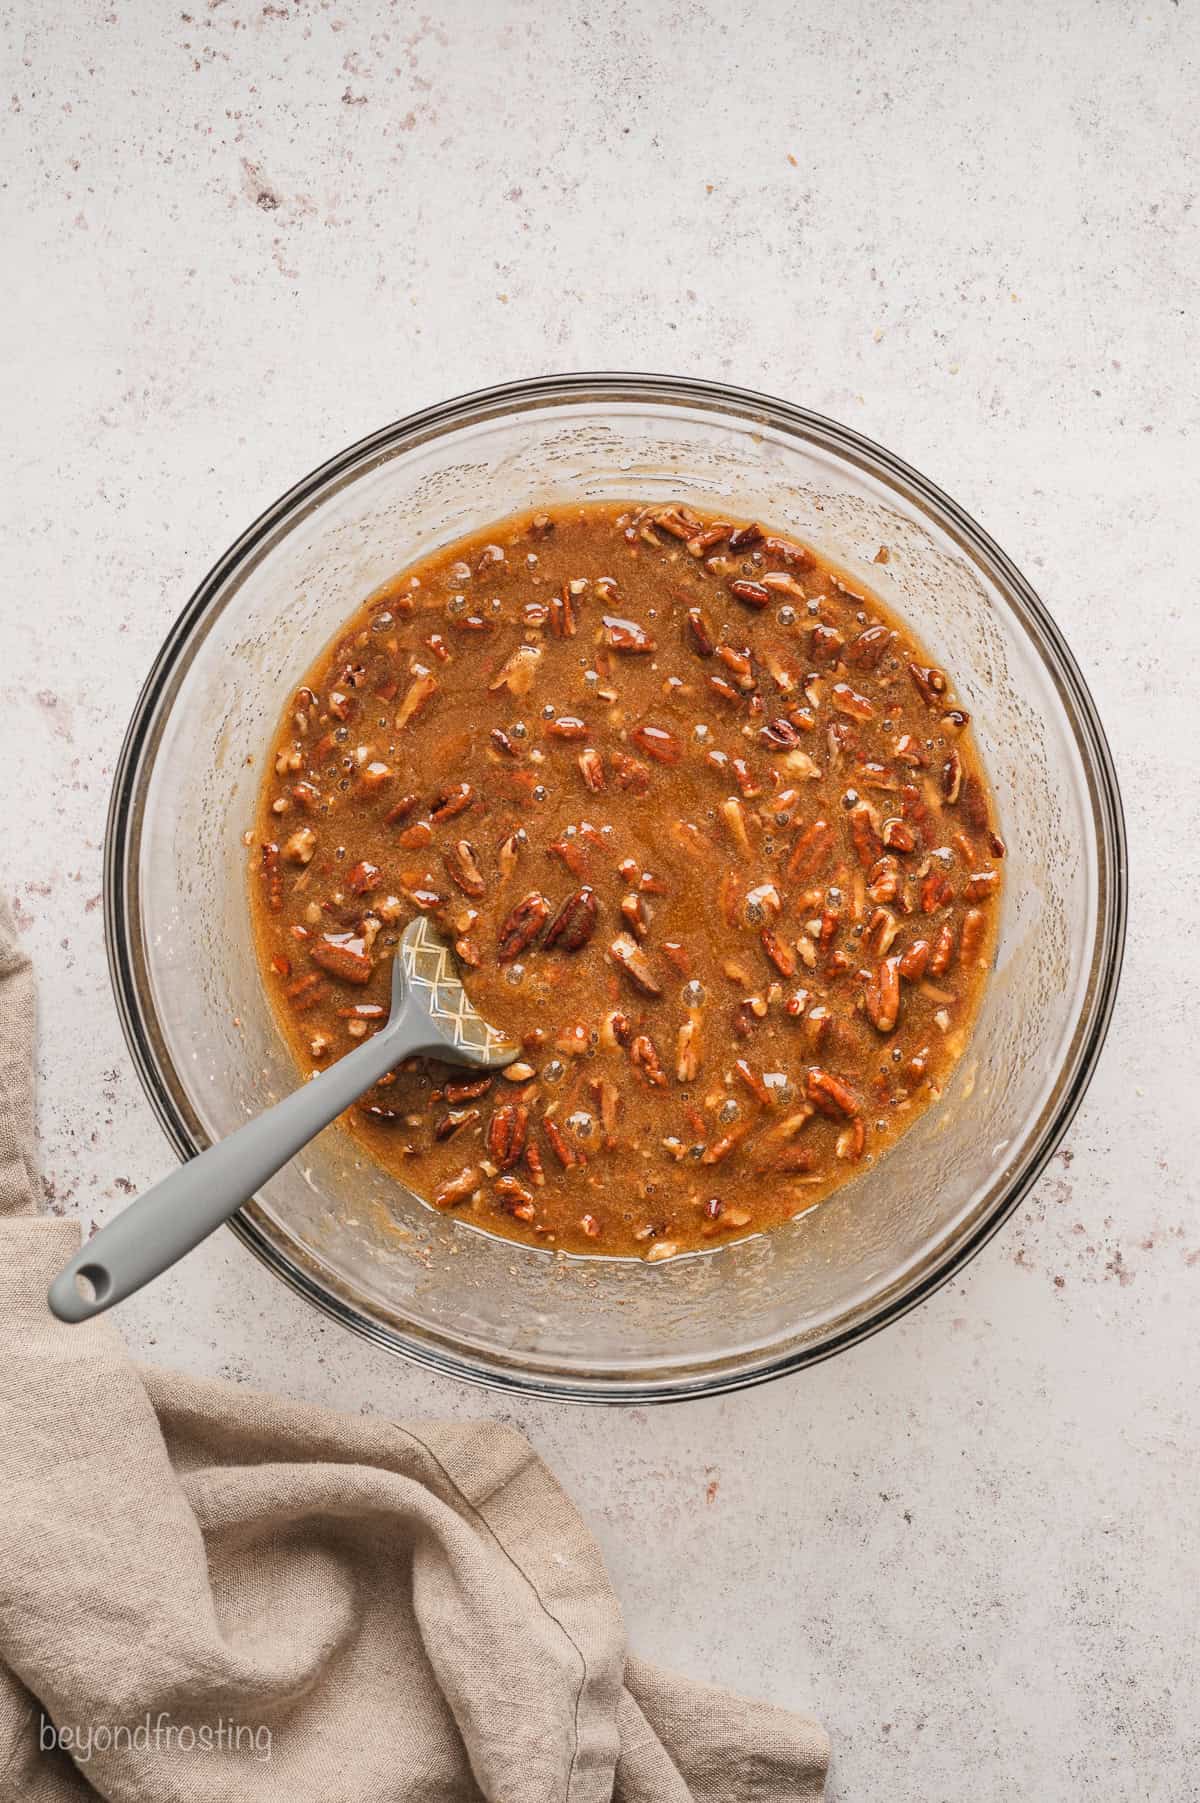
(173, 1217)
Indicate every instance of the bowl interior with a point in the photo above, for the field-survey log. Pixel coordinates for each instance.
(349, 1235)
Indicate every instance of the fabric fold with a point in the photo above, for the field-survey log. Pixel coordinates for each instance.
(211, 1593)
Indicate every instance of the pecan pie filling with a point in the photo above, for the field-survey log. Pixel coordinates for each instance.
(709, 835)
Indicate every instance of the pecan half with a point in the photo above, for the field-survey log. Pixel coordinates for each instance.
(915, 961)
(506, 1134)
(575, 921)
(970, 942)
(566, 1154)
(881, 997)
(522, 926)
(863, 835)
(751, 594)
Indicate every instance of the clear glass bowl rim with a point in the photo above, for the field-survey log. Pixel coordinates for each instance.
(122, 929)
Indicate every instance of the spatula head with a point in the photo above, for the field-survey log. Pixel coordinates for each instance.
(425, 982)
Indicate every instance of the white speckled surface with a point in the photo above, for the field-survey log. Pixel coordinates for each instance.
(240, 236)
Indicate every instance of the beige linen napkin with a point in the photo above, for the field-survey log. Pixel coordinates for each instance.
(206, 1593)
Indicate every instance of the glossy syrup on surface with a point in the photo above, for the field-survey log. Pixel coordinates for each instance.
(709, 835)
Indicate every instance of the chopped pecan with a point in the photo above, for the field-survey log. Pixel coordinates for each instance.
(449, 802)
(635, 914)
(849, 701)
(522, 926)
(454, 1121)
(645, 1060)
(744, 538)
(462, 867)
(687, 1049)
(883, 880)
(401, 810)
(575, 921)
(974, 804)
(608, 1100)
(720, 1148)
(951, 778)
(936, 891)
(509, 852)
(852, 1141)
(626, 636)
(810, 852)
(456, 1189)
(897, 835)
(753, 1082)
(300, 847)
(516, 674)
(658, 743)
(343, 956)
(467, 1092)
(825, 645)
(421, 690)
(981, 883)
(779, 732)
(865, 651)
(830, 1094)
(929, 682)
(629, 772)
(562, 613)
(942, 955)
(591, 768)
(363, 878)
(781, 954)
(271, 876)
(518, 1200)
(701, 632)
(566, 726)
(863, 835)
(629, 957)
(910, 752)
(782, 550)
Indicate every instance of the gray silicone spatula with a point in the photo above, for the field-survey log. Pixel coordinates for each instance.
(431, 1015)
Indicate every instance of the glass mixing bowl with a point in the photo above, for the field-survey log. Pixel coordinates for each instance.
(350, 1238)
